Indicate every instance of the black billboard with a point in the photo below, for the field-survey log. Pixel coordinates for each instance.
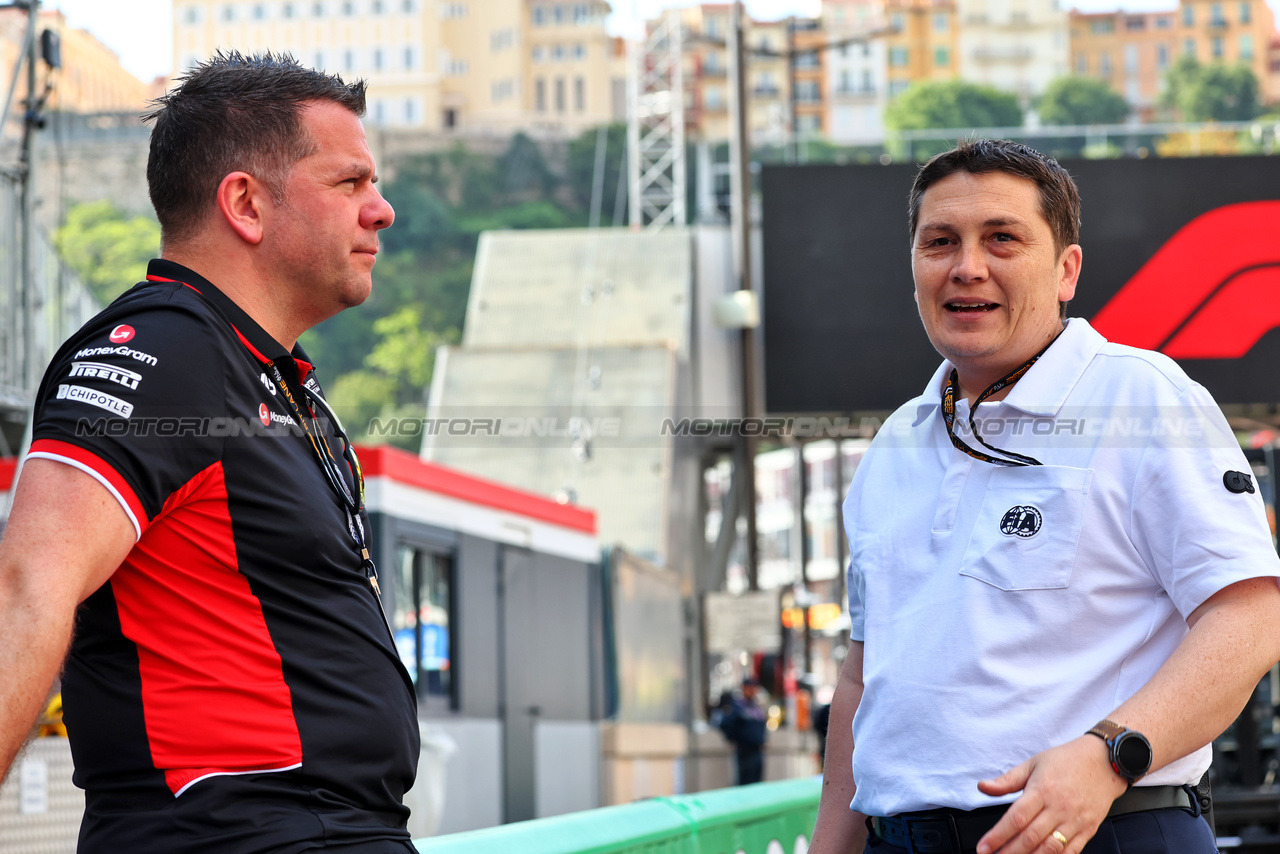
(1180, 256)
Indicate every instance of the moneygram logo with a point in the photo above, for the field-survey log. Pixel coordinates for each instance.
(121, 334)
(118, 351)
(266, 416)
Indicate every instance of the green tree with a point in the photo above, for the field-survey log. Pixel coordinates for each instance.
(1073, 100)
(106, 249)
(952, 104)
(1215, 92)
(523, 172)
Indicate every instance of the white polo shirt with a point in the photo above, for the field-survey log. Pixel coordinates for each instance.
(1007, 610)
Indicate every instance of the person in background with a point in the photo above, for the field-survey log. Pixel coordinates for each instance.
(743, 722)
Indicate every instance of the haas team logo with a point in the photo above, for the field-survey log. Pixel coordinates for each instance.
(1209, 292)
(122, 333)
(1022, 520)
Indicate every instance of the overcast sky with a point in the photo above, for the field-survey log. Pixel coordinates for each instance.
(141, 31)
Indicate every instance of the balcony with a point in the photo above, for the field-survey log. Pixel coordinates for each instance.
(1003, 54)
(855, 92)
(766, 92)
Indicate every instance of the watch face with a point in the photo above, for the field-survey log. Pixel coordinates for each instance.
(1133, 754)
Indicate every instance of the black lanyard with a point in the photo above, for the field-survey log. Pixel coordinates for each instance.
(329, 463)
(949, 415)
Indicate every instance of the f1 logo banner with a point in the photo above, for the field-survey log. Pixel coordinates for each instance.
(1180, 256)
(1211, 292)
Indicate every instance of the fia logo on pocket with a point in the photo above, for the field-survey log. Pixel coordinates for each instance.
(1022, 520)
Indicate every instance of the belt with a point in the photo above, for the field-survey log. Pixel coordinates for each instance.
(944, 831)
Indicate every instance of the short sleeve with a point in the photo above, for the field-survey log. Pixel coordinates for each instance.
(1197, 535)
(857, 615)
(134, 401)
(854, 583)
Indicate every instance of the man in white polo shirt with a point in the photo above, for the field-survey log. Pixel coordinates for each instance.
(1061, 583)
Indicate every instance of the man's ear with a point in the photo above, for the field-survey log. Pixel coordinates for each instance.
(242, 200)
(1069, 272)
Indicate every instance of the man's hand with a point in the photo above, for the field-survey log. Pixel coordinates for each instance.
(1068, 788)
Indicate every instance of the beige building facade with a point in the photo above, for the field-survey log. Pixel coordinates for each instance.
(707, 83)
(922, 42)
(1132, 51)
(91, 79)
(1019, 46)
(472, 66)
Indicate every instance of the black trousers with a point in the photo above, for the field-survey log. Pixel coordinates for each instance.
(750, 765)
(1171, 831)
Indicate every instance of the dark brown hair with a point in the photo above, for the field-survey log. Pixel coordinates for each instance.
(1059, 198)
(233, 113)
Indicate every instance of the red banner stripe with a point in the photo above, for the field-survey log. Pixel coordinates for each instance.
(1186, 273)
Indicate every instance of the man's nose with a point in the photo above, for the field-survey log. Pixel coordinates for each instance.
(379, 214)
(970, 265)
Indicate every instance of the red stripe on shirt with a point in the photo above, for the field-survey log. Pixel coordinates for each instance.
(101, 467)
(173, 281)
(213, 692)
(252, 349)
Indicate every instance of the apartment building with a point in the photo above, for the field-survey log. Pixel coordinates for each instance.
(856, 65)
(476, 66)
(808, 49)
(1019, 46)
(91, 79)
(922, 43)
(1132, 51)
(706, 80)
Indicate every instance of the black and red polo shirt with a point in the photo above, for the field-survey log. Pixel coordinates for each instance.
(234, 685)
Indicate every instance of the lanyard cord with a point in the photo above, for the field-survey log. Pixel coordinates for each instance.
(949, 415)
(324, 454)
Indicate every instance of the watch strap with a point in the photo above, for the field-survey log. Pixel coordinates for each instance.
(1107, 730)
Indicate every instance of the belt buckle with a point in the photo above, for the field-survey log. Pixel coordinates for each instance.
(934, 838)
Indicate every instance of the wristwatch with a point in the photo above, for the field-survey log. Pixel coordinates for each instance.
(1129, 750)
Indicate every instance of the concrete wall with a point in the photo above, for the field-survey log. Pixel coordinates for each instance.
(470, 796)
(642, 761)
(40, 809)
(567, 767)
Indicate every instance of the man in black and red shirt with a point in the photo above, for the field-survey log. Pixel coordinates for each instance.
(190, 505)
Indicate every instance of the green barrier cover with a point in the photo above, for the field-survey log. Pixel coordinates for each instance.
(743, 819)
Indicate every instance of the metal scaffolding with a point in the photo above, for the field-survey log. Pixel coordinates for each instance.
(655, 125)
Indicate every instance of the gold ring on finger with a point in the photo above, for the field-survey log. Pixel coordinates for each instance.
(1057, 834)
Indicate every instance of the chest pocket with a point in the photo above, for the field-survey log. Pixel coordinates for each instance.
(1028, 527)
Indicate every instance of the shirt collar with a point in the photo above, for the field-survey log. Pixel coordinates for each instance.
(1044, 388)
(255, 339)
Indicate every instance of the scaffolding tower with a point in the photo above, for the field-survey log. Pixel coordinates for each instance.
(655, 126)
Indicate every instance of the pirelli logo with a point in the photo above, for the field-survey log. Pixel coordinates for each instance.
(93, 397)
(102, 371)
